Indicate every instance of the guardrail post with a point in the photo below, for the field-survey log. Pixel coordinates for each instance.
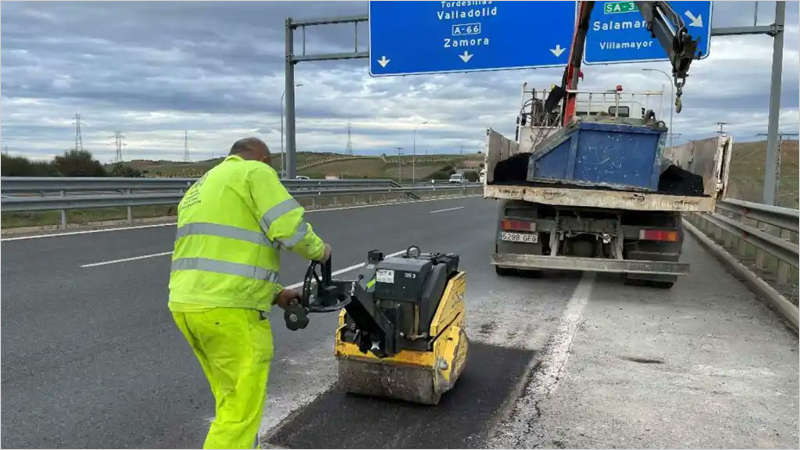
(729, 236)
(130, 208)
(718, 233)
(354, 200)
(759, 253)
(385, 198)
(742, 246)
(63, 213)
(369, 198)
(783, 268)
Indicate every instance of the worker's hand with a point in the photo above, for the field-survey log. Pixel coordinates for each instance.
(325, 255)
(286, 297)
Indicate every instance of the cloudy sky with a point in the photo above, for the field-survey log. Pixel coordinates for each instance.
(153, 70)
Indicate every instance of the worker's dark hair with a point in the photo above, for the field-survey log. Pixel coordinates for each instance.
(247, 145)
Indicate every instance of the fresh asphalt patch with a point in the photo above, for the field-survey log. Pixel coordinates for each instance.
(463, 418)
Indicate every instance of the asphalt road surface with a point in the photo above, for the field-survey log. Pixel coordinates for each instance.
(91, 357)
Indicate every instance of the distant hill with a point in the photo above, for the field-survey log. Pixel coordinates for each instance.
(320, 165)
(746, 180)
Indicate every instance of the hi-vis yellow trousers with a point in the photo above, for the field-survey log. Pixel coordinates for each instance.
(234, 347)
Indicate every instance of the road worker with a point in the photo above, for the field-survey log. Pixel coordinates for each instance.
(232, 224)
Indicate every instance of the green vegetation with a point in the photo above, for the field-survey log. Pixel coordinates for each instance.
(73, 163)
(82, 216)
(313, 165)
(321, 165)
(746, 180)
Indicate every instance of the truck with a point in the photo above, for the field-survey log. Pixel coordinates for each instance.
(588, 183)
(601, 226)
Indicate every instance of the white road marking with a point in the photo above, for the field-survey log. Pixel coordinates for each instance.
(107, 230)
(346, 269)
(545, 381)
(447, 209)
(558, 349)
(294, 286)
(73, 233)
(135, 258)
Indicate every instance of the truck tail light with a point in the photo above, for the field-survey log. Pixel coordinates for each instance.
(517, 225)
(658, 235)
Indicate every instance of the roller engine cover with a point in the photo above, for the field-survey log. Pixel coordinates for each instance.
(397, 299)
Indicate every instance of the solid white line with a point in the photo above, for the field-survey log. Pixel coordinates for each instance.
(559, 348)
(73, 233)
(294, 286)
(346, 269)
(135, 258)
(448, 209)
(308, 211)
(553, 365)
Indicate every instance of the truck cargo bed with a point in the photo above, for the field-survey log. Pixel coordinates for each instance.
(694, 176)
(600, 198)
(602, 151)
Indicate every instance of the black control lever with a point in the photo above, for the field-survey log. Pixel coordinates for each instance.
(320, 294)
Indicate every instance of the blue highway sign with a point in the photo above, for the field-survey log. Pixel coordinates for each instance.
(618, 34)
(434, 37)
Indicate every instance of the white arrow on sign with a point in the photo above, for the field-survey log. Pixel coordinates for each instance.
(558, 50)
(383, 61)
(466, 56)
(696, 21)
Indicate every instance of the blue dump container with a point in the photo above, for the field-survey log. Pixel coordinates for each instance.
(612, 154)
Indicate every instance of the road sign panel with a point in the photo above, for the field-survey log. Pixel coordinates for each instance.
(618, 33)
(434, 37)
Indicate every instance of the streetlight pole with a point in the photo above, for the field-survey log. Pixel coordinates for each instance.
(671, 98)
(283, 156)
(414, 155)
(399, 166)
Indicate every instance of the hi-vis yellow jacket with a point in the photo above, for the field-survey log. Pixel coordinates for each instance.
(232, 224)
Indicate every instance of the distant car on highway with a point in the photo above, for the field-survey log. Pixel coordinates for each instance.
(301, 177)
(456, 178)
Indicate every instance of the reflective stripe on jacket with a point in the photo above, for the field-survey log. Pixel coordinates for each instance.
(232, 224)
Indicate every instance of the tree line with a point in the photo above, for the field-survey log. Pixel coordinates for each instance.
(73, 163)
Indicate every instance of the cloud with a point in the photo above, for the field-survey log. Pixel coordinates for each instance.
(156, 69)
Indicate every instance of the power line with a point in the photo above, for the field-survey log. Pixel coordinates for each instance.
(78, 137)
(118, 137)
(186, 146)
(349, 139)
(5, 150)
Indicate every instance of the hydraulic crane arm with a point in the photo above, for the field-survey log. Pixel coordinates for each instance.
(665, 25)
(668, 27)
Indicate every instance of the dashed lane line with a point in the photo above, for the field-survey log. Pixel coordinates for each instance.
(139, 227)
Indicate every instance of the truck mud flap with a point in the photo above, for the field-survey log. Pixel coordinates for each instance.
(518, 261)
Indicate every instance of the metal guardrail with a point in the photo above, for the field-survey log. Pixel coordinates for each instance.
(36, 194)
(770, 232)
(59, 184)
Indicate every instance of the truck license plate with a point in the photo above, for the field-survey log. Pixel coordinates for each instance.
(528, 238)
